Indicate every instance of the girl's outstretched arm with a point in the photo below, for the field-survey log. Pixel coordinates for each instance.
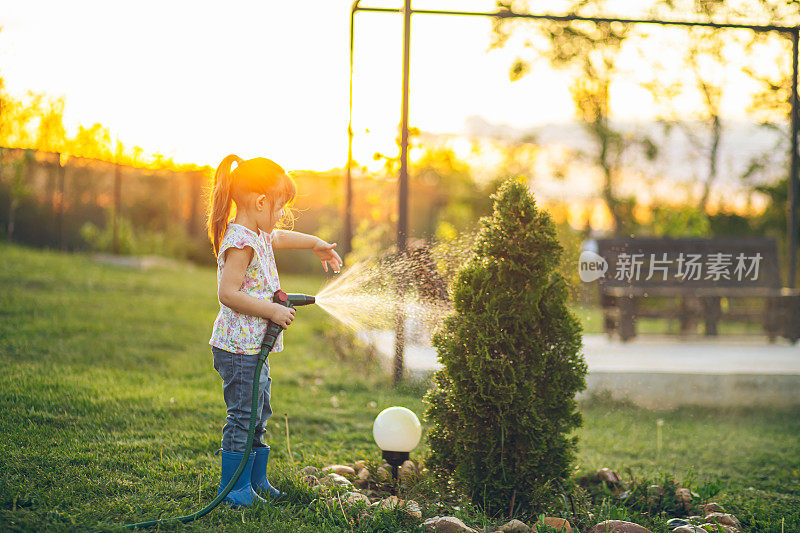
(283, 238)
(292, 239)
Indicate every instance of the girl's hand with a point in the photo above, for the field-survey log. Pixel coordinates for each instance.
(281, 315)
(328, 255)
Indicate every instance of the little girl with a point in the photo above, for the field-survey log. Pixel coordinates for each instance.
(247, 279)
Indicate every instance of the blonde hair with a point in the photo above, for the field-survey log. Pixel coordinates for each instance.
(258, 175)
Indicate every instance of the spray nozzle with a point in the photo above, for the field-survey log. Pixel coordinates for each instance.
(273, 329)
(292, 299)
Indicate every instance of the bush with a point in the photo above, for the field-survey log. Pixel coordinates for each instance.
(504, 401)
(174, 242)
(679, 221)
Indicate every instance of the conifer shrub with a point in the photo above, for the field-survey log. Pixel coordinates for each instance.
(502, 406)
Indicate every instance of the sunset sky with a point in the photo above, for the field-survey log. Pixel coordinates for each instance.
(199, 80)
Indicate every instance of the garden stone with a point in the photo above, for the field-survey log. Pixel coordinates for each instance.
(389, 502)
(711, 507)
(654, 493)
(354, 497)
(364, 477)
(393, 502)
(383, 474)
(429, 525)
(673, 523)
(689, 529)
(407, 470)
(515, 526)
(618, 526)
(320, 488)
(336, 479)
(655, 490)
(559, 524)
(411, 507)
(310, 480)
(342, 470)
(451, 524)
(712, 528)
(358, 465)
(686, 496)
(723, 519)
(309, 471)
(609, 476)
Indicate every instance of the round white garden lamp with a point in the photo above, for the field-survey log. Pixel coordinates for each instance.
(396, 431)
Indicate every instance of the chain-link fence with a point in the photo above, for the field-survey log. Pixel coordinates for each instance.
(71, 203)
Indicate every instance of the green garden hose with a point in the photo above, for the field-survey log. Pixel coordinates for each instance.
(250, 432)
(270, 337)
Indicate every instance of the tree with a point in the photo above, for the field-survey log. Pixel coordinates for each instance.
(707, 56)
(503, 403)
(704, 48)
(590, 49)
(768, 173)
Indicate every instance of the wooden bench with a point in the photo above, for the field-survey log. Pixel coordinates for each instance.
(700, 273)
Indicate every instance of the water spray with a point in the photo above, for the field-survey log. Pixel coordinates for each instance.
(270, 337)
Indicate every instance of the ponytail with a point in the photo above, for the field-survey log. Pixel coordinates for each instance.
(219, 210)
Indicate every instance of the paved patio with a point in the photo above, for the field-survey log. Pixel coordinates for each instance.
(662, 372)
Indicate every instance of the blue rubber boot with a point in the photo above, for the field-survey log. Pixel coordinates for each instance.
(259, 479)
(242, 493)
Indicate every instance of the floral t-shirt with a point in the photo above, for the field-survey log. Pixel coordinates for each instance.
(236, 332)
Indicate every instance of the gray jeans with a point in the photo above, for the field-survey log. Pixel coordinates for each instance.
(236, 371)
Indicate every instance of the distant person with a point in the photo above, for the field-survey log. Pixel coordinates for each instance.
(247, 279)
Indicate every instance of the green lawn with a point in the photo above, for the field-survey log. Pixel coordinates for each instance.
(111, 411)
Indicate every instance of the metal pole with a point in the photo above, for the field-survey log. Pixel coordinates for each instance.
(791, 220)
(402, 199)
(117, 208)
(62, 170)
(347, 223)
(576, 18)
